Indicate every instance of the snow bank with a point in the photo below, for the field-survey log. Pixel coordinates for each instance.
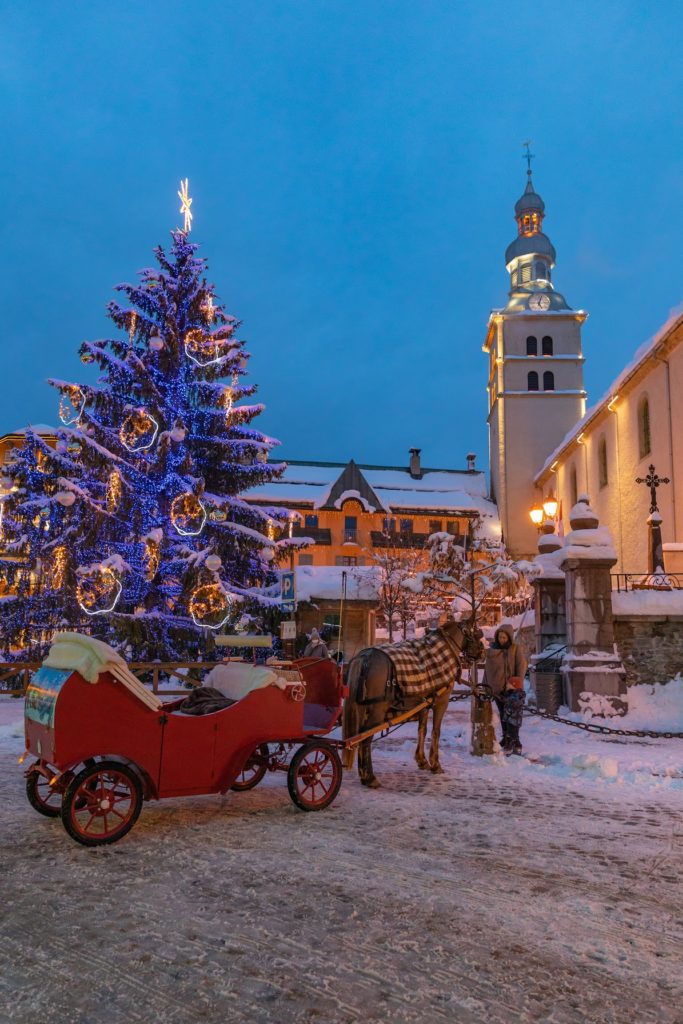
(658, 707)
(648, 602)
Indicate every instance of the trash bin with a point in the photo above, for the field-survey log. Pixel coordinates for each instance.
(548, 687)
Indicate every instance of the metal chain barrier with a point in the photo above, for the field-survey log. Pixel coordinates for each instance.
(605, 729)
(586, 726)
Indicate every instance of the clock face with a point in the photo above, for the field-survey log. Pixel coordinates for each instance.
(539, 302)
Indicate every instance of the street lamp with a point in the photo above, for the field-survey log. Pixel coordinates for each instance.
(536, 516)
(550, 506)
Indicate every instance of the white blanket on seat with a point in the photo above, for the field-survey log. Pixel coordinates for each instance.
(236, 679)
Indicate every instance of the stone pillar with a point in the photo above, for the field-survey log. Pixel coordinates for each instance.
(550, 622)
(591, 664)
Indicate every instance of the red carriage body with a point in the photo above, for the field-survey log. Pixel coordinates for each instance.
(154, 750)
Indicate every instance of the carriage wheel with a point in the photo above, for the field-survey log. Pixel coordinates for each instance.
(254, 769)
(43, 797)
(102, 803)
(314, 776)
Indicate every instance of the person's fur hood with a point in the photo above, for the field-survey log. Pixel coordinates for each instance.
(508, 629)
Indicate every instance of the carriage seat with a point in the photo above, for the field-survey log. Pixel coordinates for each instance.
(235, 679)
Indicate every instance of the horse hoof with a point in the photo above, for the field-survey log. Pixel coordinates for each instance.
(423, 765)
(436, 769)
(370, 783)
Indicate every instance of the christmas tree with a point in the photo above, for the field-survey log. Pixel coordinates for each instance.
(134, 526)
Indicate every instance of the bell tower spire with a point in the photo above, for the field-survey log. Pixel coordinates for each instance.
(535, 379)
(530, 259)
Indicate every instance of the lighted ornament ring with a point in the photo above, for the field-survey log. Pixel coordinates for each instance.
(210, 599)
(197, 343)
(86, 600)
(188, 515)
(136, 428)
(71, 405)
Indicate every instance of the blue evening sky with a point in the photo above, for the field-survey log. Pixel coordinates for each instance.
(354, 165)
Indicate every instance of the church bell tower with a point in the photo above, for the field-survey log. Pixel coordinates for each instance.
(535, 380)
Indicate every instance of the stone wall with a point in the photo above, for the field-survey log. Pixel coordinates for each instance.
(650, 646)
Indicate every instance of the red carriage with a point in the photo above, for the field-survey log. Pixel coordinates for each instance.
(103, 742)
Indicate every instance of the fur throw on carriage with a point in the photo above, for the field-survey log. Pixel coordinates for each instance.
(423, 666)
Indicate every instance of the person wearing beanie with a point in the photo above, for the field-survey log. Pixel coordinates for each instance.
(316, 646)
(504, 673)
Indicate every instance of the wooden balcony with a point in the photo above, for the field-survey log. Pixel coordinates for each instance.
(395, 539)
(317, 534)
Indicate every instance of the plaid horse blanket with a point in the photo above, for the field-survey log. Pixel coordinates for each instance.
(422, 666)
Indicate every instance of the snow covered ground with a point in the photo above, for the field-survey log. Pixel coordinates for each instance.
(505, 891)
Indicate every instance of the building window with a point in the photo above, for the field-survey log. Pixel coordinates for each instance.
(573, 486)
(350, 530)
(531, 346)
(547, 346)
(603, 476)
(406, 525)
(644, 442)
(540, 271)
(532, 381)
(312, 522)
(548, 381)
(305, 559)
(435, 526)
(388, 525)
(526, 273)
(453, 527)
(346, 560)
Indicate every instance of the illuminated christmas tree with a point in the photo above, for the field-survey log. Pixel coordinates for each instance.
(134, 527)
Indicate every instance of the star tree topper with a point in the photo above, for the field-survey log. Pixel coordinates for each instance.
(185, 204)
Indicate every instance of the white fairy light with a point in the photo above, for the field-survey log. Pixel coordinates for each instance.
(104, 571)
(130, 432)
(185, 204)
(71, 405)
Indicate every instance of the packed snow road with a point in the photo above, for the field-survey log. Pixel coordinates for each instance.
(501, 892)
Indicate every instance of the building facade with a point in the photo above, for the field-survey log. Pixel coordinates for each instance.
(350, 510)
(637, 424)
(535, 374)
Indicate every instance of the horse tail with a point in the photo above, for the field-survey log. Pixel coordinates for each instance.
(351, 715)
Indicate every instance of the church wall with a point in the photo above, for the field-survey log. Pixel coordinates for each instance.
(623, 505)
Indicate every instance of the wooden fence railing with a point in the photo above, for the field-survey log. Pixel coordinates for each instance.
(15, 675)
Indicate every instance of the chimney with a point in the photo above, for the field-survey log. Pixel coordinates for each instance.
(415, 470)
(471, 458)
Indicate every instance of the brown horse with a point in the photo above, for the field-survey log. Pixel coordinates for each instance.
(374, 699)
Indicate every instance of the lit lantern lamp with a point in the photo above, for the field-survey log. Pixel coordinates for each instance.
(550, 506)
(536, 516)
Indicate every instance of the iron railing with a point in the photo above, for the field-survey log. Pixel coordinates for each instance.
(350, 536)
(623, 582)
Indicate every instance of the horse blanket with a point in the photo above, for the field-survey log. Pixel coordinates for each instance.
(423, 666)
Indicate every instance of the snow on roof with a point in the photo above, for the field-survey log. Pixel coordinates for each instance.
(445, 489)
(37, 428)
(641, 355)
(324, 582)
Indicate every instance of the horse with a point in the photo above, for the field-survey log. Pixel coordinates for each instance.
(374, 698)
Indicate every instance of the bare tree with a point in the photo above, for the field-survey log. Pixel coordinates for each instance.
(398, 602)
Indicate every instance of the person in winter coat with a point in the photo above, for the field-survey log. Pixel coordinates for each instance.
(316, 646)
(504, 673)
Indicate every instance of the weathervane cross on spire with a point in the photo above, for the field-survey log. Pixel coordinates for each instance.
(185, 204)
(528, 156)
